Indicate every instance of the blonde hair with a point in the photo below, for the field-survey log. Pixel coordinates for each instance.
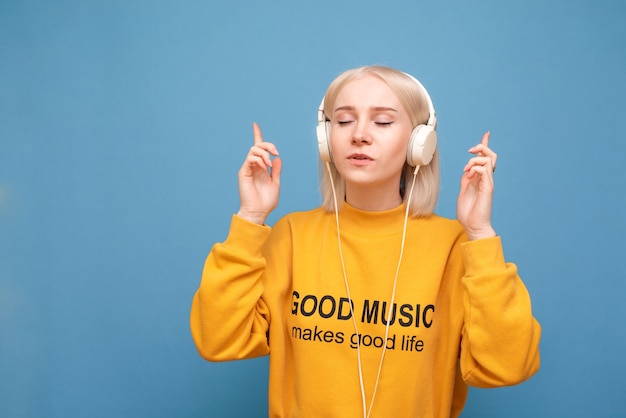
(412, 97)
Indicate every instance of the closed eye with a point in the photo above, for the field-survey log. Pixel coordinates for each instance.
(383, 123)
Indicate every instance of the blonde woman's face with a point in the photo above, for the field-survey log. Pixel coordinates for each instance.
(369, 134)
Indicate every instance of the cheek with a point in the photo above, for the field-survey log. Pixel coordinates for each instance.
(400, 149)
(337, 141)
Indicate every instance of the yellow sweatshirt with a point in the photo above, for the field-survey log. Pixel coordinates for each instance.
(461, 314)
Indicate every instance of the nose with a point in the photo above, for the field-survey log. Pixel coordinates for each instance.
(360, 135)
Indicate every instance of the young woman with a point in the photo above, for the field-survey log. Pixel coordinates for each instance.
(371, 305)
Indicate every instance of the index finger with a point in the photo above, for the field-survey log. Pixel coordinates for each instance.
(485, 140)
(258, 137)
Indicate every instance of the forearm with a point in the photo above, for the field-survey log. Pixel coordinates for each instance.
(500, 343)
(228, 318)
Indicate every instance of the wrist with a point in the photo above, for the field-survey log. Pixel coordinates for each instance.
(481, 234)
(253, 217)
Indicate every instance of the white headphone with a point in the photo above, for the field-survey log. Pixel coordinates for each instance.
(422, 143)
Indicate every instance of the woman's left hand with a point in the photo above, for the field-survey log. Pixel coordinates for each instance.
(476, 195)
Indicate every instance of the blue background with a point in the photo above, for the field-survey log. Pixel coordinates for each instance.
(123, 125)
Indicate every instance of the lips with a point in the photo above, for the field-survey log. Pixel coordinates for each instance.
(360, 159)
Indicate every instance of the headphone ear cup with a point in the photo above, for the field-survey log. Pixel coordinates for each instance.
(323, 141)
(422, 145)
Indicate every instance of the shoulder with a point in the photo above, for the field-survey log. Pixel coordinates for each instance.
(440, 226)
(302, 217)
(297, 221)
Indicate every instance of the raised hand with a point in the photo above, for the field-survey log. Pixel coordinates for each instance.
(476, 196)
(259, 180)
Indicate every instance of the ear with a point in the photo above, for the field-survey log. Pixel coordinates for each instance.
(422, 145)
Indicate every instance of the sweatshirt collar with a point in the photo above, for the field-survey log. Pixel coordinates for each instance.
(365, 222)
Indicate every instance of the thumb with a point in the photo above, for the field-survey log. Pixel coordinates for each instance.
(465, 181)
(277, 168)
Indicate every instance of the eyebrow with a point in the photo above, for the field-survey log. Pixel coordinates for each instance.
(375, 108)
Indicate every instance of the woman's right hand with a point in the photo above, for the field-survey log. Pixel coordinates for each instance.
(259, 180)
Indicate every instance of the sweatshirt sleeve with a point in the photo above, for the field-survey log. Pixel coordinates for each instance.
(229, 319)
(500, 342)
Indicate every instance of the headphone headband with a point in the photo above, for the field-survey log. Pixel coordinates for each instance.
(432, 118)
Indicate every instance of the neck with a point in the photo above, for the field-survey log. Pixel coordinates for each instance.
(372, 199)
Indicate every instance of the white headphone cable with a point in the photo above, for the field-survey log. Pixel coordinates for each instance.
(345, 279)
(393, 292)
(366, 411)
